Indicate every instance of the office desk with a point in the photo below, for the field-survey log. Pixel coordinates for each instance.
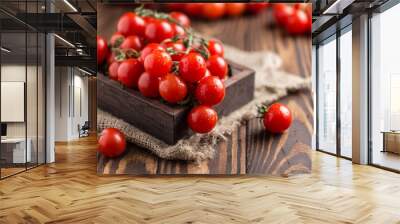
(391, 141)
(13, 150)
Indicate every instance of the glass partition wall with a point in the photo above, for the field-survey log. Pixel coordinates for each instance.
(385, 89)
(22, 101)
(334, 94)
(327, 95)
(346, 95)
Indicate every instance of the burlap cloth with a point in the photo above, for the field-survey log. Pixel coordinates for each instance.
(271, 83)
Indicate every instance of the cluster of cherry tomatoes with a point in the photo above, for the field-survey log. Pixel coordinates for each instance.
(213, 11)
(295, 18)
(158, 54)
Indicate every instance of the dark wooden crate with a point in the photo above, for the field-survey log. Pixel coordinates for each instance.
(166, 122)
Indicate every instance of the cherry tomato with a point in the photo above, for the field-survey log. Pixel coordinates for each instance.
(235, 9)
(298, 23)
(256, 8)
(215, 47)
(132, 42)
(277, 118)
(102, 50)
(300, 6)
(111, 58)
(207, 73)
(202, 119)
(116, 39)
(217, 66)
(158, 30)
(113, 70)
(112, 142)
(213, 11)
(158, 63)
(177, 46)
(148, 19)
(172, 88)
(194, 9)
(178, 30)
(131, 24)
(282, 13)
(192, 67)
(148, 85)
(148, 49)
(129, 72)
(210, 91)
(181, 18)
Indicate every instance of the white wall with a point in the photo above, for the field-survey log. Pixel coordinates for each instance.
(71, 87)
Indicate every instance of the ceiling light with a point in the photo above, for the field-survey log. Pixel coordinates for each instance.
(64, 40)
(70, 5)
(5, 50)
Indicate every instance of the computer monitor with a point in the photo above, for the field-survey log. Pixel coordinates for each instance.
(3, 129)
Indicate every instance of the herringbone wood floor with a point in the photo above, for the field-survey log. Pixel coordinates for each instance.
(69, 191)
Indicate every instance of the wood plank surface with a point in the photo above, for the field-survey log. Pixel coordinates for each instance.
(249, 150)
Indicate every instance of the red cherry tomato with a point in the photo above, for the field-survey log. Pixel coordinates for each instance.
(202, 119)
(210, 91)
(178, 30)
(277, 118)
(235, 9)
(256, 8)
(113, 70)
(217, 66)
(181, 18)
(298, 23)
(129, 72)
(194, 9)
(132, 42)
(148, 49)
(282, 13)
(111, 58)
(148, 85)
(158, 30)
(300, 6)
(177, 46)
(172, 89)
(116, 39)
(112, 142)
(213, 11)
(158, 63)
(192, 67)
(215, 47)
(207, 73)
(102, 50)
(148, 19)
(131, 24)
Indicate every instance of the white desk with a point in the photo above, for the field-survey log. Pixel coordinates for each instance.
(19, 149)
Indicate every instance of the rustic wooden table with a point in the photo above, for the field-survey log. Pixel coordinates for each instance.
(249, 150)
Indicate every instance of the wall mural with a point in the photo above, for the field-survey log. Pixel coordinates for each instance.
(204, 88)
